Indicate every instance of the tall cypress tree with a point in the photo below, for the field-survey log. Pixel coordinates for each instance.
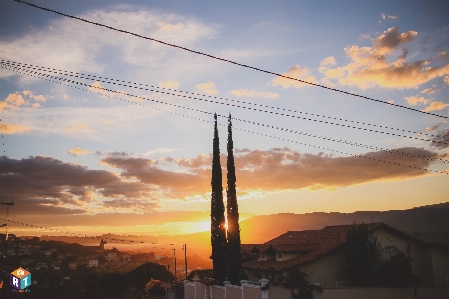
(218, 229)
(233, 233)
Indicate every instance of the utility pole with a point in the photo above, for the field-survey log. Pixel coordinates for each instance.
(185, 256)
(174, 253)
(5, 256)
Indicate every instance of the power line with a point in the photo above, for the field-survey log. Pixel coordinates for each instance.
(242, 120)
(137, 86)
(228, 61)
(224, 116)
(259, 110)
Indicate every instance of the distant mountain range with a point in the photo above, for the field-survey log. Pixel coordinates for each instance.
(428, 223)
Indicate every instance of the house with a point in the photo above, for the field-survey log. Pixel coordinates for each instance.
(112, 255)
(126, 258)
(26, 262)
(73, 265)
(197, 275)
(319, 253)
(93, 263)
(83, 260)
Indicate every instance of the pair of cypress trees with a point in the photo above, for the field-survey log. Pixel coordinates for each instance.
(225, 245)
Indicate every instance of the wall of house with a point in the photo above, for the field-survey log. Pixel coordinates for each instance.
(388, 238)
(286, 256)
(440, 265)
(327, 269)
(430, 263)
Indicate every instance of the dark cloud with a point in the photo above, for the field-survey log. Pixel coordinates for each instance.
(45, 185)
(391, 39)
(441, 140)
(170, 184)
(48, 186)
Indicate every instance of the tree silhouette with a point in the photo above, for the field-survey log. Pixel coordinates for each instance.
(218, 231)
(233, 233)
(362, 253)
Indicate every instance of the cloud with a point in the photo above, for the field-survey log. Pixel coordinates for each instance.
(96, 87)
(391, 39)
(430, 90)
(382, 16)
(414, 100)
(167, 27)
(436, 106)
(78, 46)
(169, 84)
(326, 62)
(385, 65)
(78, 151)
(254, 94)
(80, 128)
(207, 87)
(393, 17)
(161, 151)
(45, 186)
(294, 72)
(442, 54)
(442, 142)
(446, 79)
(14, 128)
(15, 99)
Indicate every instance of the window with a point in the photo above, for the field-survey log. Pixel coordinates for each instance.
(280, 255)
(263, 256)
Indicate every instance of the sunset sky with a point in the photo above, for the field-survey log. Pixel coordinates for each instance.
(134, 161)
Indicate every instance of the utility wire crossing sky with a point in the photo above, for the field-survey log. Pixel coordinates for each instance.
(310, 131)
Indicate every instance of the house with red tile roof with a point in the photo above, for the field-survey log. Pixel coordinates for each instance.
(319, 253)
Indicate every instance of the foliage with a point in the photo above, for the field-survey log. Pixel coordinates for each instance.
(362, 253)
(298, 283)
(396, 272)
(218, 233)
(142, 274)
(233, 233)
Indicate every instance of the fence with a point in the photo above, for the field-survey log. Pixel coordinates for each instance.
(247, 290)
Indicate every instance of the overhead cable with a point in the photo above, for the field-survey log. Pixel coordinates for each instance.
(264, 111)
(137, 86)
(224, 116)
(229, 61)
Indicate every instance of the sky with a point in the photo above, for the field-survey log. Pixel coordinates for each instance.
(104, 131)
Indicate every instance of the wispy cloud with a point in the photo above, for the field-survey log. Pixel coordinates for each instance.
(78, 151)
(254, 94)
(208, 87)
(162, 150)
(14, 128)
(415, 100)
(294, 72)
(169, 84)
(77, 46)
(436, 106)
(80, 128)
